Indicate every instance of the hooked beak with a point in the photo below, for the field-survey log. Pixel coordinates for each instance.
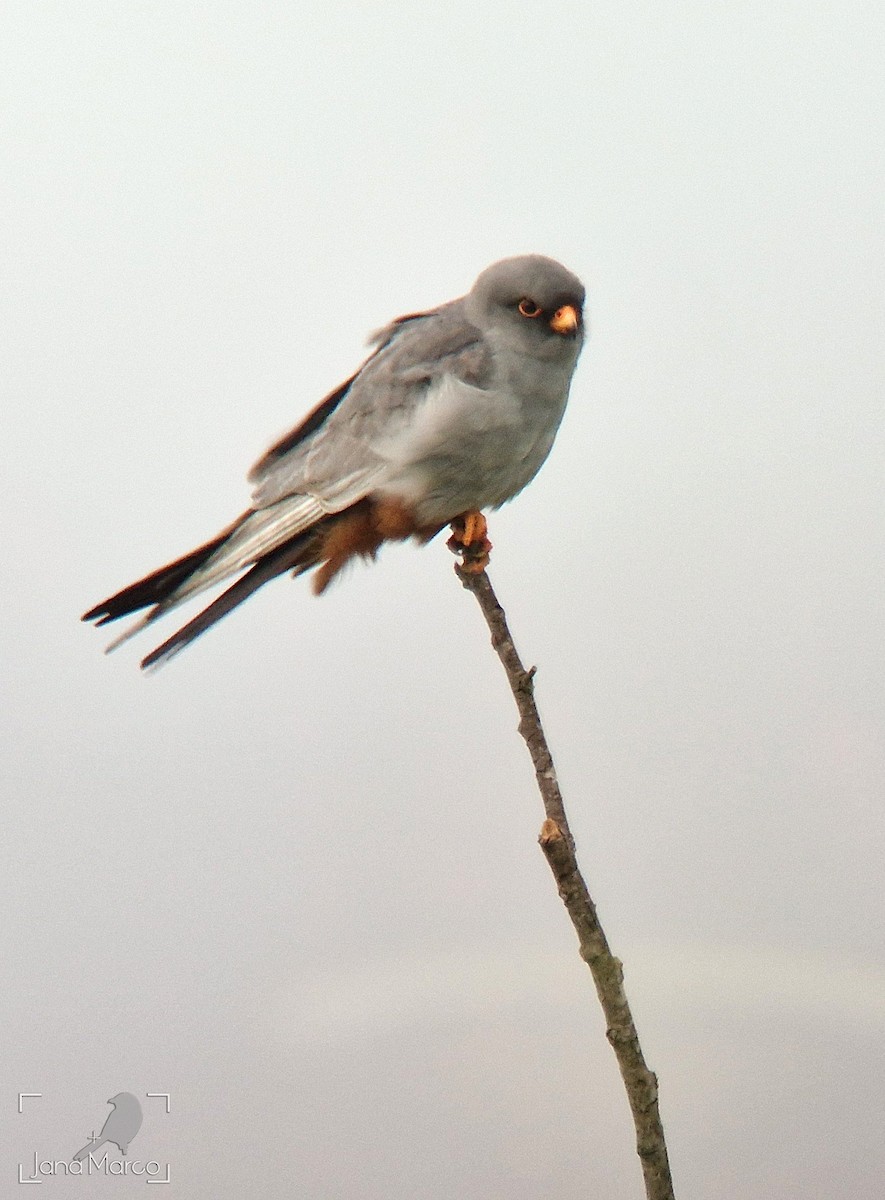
(565, 319)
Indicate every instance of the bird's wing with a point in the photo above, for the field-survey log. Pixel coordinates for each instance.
(300, 432)
(334, 458)
(333, 455)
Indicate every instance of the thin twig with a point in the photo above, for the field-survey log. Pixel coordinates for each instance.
(559, 848)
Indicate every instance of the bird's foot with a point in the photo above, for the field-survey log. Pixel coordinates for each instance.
(469, 539)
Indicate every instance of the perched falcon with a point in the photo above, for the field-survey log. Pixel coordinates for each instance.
(453, 412)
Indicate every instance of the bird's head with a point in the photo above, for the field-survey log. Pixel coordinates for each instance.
(532, 302)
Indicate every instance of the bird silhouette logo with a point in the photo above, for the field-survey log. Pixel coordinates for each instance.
(120, 1127)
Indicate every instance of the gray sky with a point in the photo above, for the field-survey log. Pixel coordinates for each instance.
(292, 879)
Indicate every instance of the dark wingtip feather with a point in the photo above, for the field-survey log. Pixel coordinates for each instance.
(308, 425)
(158, 586)
(290, 554)
(101, 613)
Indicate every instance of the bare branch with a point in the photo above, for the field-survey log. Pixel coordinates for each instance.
(559, 848)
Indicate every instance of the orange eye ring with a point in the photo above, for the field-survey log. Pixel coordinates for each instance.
(528, 308)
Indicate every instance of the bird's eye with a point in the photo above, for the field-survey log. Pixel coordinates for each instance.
(528, 308)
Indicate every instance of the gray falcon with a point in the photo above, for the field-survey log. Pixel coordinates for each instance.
(453, 412)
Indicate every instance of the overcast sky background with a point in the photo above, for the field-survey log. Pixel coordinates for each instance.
(292, 879)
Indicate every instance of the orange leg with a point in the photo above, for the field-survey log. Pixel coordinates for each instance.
(469, 539)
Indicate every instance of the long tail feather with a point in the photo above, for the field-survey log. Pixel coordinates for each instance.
(159, 585)
(295, 554)
(252, 536)
(295, 535)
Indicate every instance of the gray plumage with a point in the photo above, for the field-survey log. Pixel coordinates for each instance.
(455, 410)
